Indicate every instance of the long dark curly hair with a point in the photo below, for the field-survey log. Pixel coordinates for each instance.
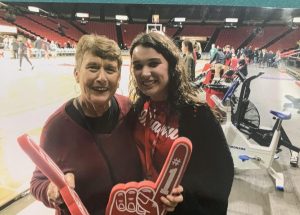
(180, 92)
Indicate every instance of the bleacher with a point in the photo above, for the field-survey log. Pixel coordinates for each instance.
(34, 25)
(108, 29)
(287, 42)
(267, 35)
(197, 30)
(129, 31)
(40, 30)
(170, 31)
(233, 36)
(3, 22)
(69, 29)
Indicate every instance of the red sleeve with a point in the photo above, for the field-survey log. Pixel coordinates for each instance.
(48, 142)
(38, 187)
(39, 182)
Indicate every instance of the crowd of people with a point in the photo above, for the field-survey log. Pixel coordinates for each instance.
(37, 48)
(261, 57)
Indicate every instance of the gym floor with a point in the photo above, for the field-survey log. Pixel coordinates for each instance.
(28, 97)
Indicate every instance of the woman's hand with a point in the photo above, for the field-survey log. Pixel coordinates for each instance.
(171, 200)
(54, 197)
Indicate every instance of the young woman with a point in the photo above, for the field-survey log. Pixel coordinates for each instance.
(165, 107)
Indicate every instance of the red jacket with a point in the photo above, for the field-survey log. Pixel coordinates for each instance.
(74, 149)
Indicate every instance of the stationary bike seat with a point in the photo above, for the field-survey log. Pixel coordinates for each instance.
(281, 115)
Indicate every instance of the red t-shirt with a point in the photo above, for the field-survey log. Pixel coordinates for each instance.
(155, 132)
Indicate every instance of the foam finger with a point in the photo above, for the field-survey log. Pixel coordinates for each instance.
(174, 166)
(120, 201)
(131, 197)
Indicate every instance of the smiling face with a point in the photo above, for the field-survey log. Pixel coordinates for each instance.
(98, 79)
(150, 70)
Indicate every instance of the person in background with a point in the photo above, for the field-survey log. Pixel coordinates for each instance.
(60, 29)
(88, 137)
(255, 55)
(6, 42)
(1, 52)
(228, 55)
(23, 53)
(53, 49)
(15, 48)
(219, 61)
(212, 51)
(165, 106)
(188, 58)
(45, 47)
(29, 47)
(38, 47)
(198, 49)
(234, 62)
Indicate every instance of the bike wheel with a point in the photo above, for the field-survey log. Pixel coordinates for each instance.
(250, 117)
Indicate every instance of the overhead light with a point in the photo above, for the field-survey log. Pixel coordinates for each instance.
(82, 15)
(33, 9)
(296, 20)
(121, 17)
(233, 20)
(36, 9)
(179, 19)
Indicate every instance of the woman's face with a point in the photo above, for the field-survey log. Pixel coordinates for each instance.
(98, 79)
(150, 70)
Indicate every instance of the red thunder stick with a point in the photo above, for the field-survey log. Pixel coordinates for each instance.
(53, 173)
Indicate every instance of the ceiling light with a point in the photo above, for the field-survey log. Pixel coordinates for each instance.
(33, 9)
(296, 20)
(121, 17)
(234, 20)
(82, 15)
(179, 19)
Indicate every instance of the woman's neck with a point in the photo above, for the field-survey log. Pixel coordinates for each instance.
(159, 98)
(92, 110)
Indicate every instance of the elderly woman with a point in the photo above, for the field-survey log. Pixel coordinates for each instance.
(87, 137)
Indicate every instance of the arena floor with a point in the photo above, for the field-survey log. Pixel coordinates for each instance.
(28, 97)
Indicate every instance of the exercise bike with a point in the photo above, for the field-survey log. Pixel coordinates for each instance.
(242, 124)
(245, 116)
